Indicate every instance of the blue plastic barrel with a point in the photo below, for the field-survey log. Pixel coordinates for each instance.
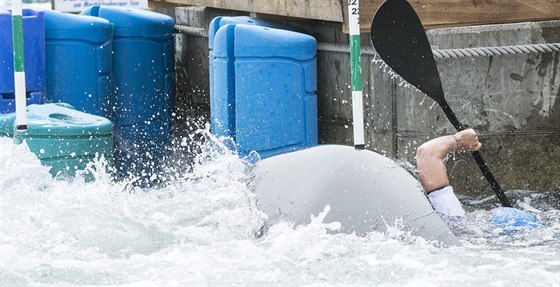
(34, 58)
(78, 64)
(265, 83)
(144, 87)
(218, 127)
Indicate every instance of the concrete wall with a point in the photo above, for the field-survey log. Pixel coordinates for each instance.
(512, 101)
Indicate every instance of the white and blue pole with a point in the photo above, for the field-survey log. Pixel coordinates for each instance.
(19, 73)
(356, 73)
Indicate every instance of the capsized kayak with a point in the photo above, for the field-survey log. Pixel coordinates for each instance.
(365, 191)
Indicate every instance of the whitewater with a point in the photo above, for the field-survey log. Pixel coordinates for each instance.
(203, 228)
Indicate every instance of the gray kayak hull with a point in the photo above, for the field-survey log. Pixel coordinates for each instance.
(364, 190)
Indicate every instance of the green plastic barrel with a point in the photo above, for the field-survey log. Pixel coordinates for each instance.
(62, 138)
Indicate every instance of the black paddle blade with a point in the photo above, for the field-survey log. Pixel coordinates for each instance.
(400, 40)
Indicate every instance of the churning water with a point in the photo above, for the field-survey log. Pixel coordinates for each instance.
(200, 230)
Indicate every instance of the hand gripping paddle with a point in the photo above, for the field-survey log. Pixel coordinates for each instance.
(400, 40)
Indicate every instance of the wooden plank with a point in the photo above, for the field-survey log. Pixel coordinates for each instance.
(328, 10)
(437, 13)
(432, 13)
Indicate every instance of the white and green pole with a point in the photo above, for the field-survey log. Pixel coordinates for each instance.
(356, 73)
(19, 73)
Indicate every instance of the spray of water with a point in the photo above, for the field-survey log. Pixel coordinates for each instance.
(199, 229)
(378, 61)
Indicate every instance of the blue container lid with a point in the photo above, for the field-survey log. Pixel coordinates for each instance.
(261, 42)
(131, 22)
(76, 27)
(58, 120)
(235, 20)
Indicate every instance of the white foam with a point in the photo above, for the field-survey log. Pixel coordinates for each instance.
(200, 230)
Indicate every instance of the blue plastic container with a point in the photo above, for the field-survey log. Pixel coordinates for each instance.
(78, 64)
(34, 58)
(215, 25)
(144, 86)
(265, 83)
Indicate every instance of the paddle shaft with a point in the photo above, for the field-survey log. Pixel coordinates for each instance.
(477, 157)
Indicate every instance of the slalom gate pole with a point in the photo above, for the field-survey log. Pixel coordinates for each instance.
(356, 73)
(19, 73)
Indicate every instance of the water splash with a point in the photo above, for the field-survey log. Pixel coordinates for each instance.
(200, 229)
(401, 82)
(423, 100)
(433, 105)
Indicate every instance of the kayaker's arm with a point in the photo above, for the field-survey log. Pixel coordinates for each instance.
(430, 157)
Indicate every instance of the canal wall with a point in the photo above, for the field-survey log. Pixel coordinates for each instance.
(513, 101)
